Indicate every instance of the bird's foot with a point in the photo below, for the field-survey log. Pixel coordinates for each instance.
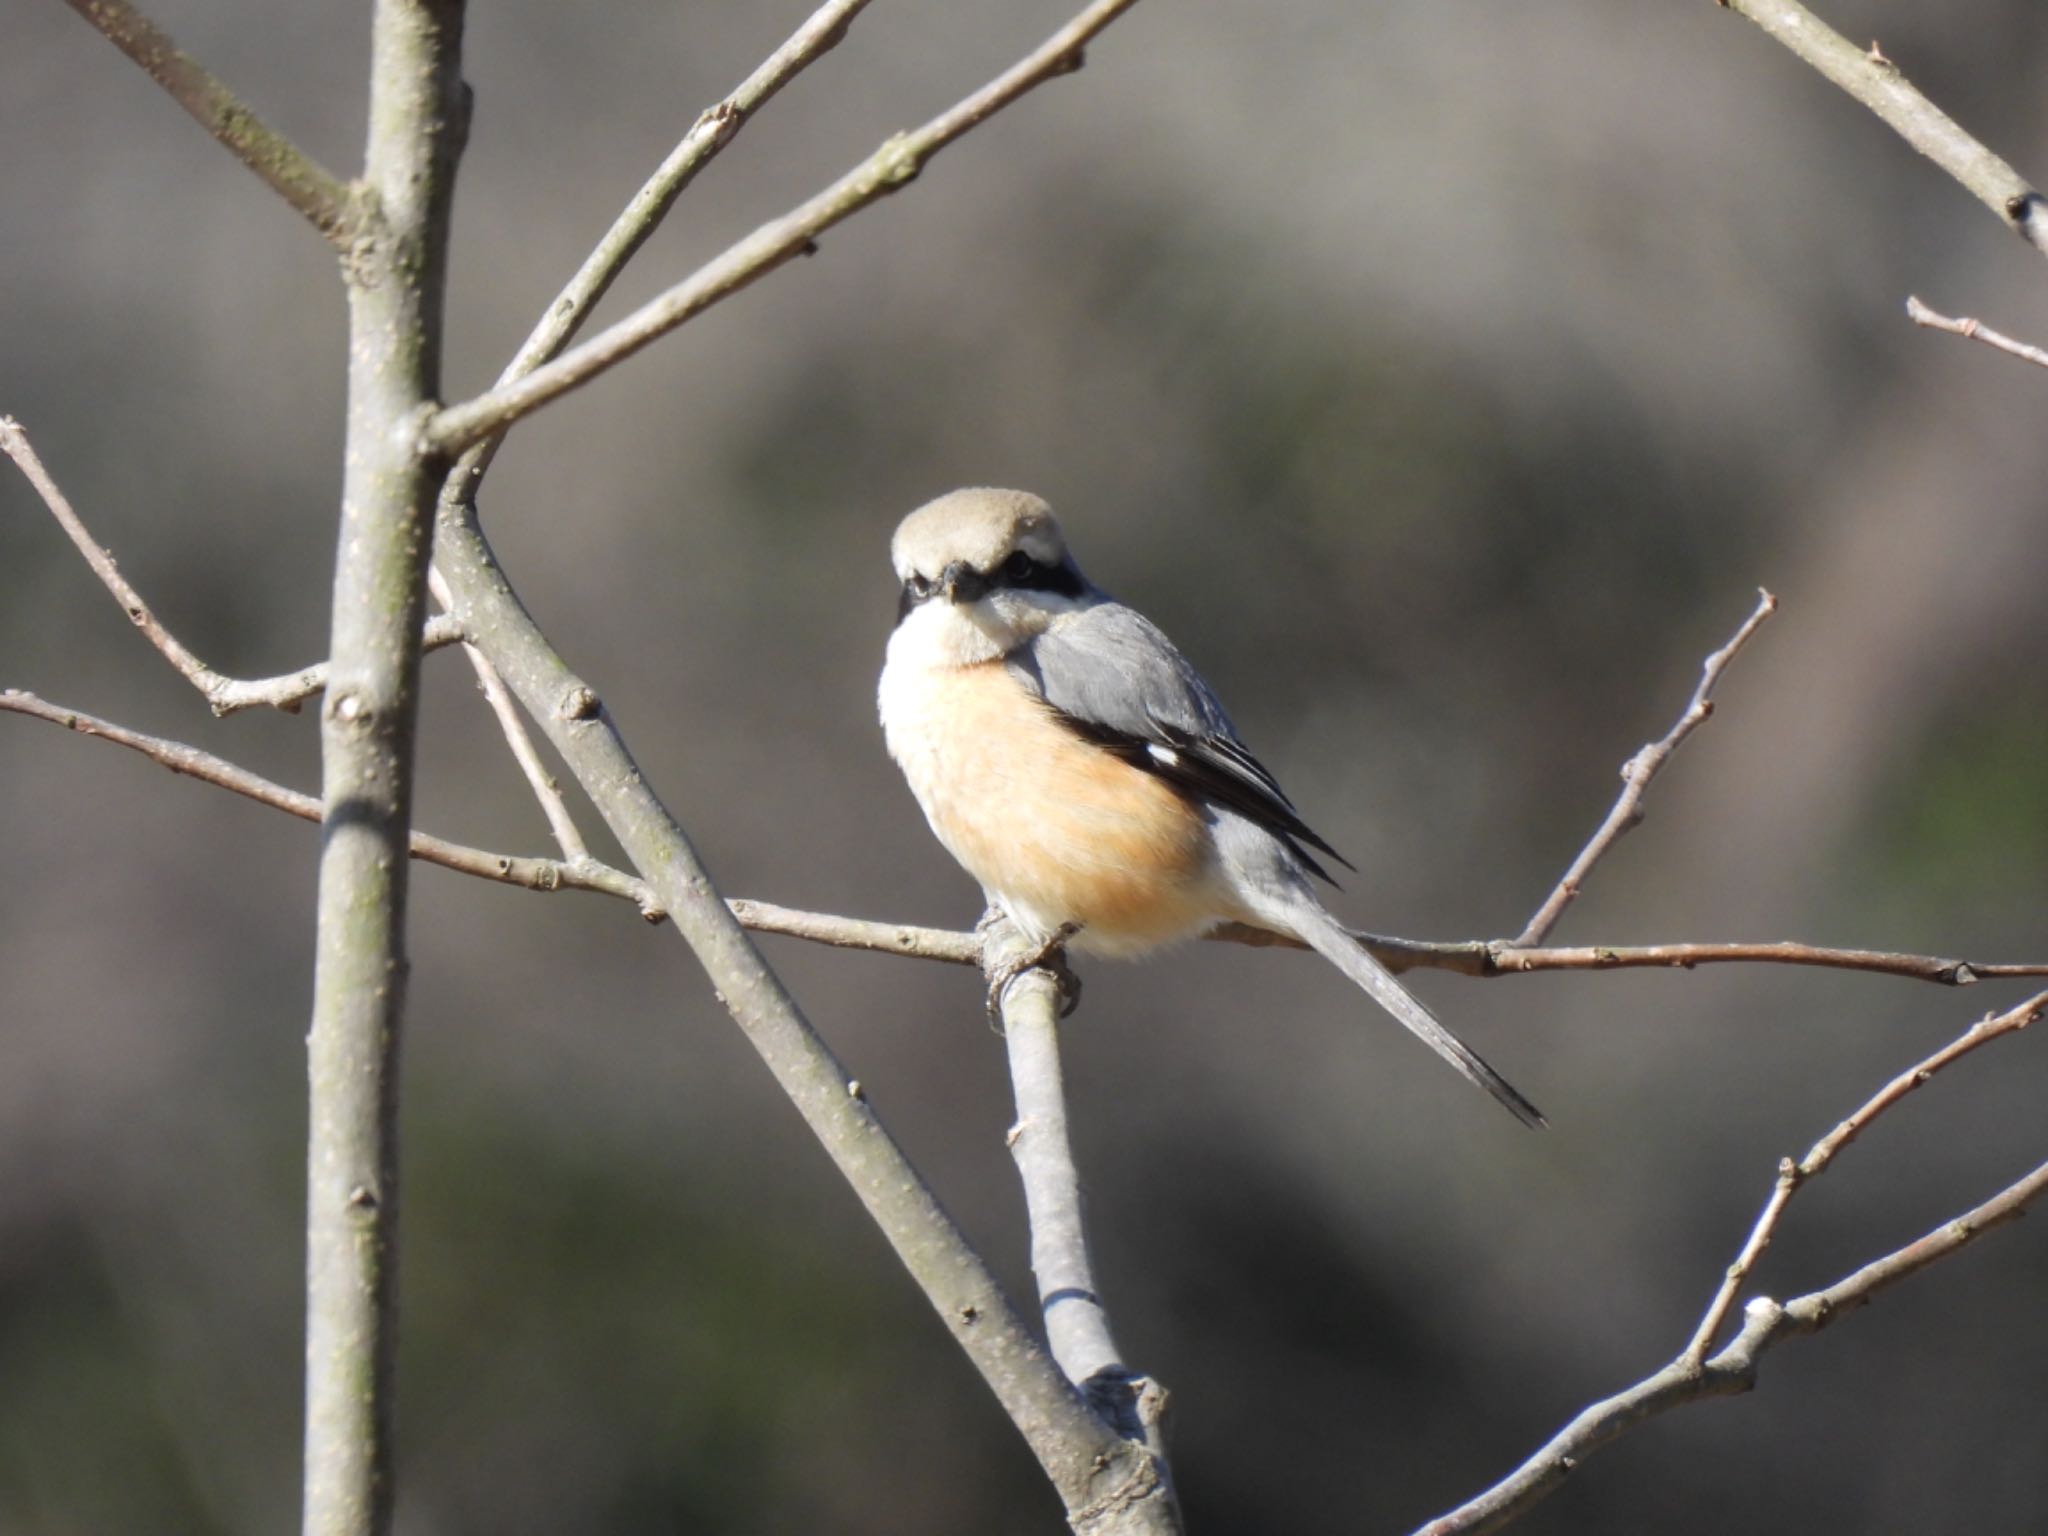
(1051, 956)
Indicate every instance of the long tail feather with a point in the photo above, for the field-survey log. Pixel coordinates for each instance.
(1326, 937)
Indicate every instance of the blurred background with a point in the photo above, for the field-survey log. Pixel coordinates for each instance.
(1445, 377)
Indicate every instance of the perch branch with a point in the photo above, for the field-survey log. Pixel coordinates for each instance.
(224, 694)
(1076, 1322)
(323, 198)
(1975, 330)
(1636, 774)
(1874, 80)
(890, 167)
(1766, 1324)
(1477, 958)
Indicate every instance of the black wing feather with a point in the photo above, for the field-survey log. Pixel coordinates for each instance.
(1113, 677)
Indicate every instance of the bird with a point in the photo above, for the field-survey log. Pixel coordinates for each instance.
(1076, 764)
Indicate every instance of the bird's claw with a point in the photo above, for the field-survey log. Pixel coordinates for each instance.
(1051, 956)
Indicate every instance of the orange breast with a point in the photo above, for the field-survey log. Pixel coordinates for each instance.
(1059, 829)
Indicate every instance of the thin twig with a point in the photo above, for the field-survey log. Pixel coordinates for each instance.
(1636, 774)
(890, 167)
(286, 169)
(857, 933)
(1766, 1324)
(546, 790)
(226, 695)
(1498, 958)
(533, 874)
(1975, 330)
(712, 131)
(1874, 80)
(1792, 1176)
(1502, 957)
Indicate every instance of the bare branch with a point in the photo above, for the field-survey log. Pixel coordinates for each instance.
(1636, 774)
(230, 695)
(290, 172)
(531, 874)
(856, 933)
(1815, 1310)
(543, 784)
(225, 694)
(1479, 957)
(1793, 1176)
(890, 167)
(396, 280)
(713, 130)
(1502, 957)
(1766, 1324)
(1975, 330)
(1076, 1322)
(1498, 958)
(1874, 80)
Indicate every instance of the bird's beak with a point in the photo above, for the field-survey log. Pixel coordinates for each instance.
(962, 583)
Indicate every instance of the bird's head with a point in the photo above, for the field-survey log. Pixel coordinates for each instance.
(984, 571)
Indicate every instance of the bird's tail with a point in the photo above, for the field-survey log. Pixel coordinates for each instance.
(1326, 936)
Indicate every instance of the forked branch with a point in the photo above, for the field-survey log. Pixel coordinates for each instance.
(890, 167)
(1766, 1323)
(1793, 1176)
(225, 694)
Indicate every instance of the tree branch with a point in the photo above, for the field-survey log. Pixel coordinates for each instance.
(323, 198)
(1794, 1176)
(1636, 774)
(396, 279)
(858, 933)
(226, 695)
(1975, 330)
(1766, 1323)
(890, 167)
(1076, 1323)
(1479, 957)
(1876, 81)
(546, 790)
(1497, 958)
(712, 131)
(532, 874)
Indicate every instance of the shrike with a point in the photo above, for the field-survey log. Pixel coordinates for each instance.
(1078, 767)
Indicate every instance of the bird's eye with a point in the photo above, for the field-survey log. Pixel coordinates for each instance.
(1018, 566)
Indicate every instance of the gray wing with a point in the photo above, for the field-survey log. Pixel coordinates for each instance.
(1114, 677)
